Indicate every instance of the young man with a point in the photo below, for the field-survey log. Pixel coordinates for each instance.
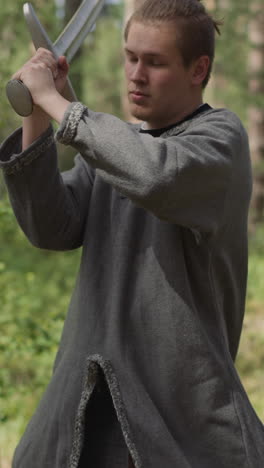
(145, 365)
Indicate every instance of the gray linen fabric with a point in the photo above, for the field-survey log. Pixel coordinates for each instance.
(159, 300)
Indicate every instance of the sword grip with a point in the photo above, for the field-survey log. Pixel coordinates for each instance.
(21, 100)
(19, 97)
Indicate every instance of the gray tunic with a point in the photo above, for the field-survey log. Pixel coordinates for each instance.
(159, 300)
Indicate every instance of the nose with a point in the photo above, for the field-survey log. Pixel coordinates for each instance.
(138, 73)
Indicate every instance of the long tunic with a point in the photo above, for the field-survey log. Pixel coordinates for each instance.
(159, 300)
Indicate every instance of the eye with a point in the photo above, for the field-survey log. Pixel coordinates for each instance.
(131, 57)
(156, 63)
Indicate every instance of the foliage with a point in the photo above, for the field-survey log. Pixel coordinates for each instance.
(34, 297)
(251, 353)
(231, 66)
(15, 49)
(102, 66)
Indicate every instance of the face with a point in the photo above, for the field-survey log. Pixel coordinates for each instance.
(160, 88)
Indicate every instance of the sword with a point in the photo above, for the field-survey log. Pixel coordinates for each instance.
(67, 44)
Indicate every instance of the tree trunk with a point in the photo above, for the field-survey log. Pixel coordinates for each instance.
(256, 111)
(76, 76)
(218, 82)
(130, 6)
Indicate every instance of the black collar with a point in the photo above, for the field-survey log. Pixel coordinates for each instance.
(156, 132)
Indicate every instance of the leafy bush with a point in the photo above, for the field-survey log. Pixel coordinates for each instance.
(251, 353)
(34, 297)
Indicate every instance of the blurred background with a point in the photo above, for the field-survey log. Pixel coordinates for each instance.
(35, 285)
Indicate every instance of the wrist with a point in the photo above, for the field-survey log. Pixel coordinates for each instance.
(54, 105)
(38, 115)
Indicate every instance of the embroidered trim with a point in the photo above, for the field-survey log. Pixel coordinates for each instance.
(19, 162)
(94, 363)
(91, 378)
(69, 126)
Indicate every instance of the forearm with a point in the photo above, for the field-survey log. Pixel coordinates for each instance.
(38, 122)
(45, 77)
(51, 208)
(54, 105)
(34, 126)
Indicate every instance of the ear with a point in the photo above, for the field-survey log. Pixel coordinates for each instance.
(200, 69)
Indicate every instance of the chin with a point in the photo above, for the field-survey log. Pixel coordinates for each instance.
(138, 112)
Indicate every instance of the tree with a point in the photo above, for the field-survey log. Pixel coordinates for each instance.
(102, 63)
(130, 6)
(229, 82)
(15, 49)
(238, 80)
(76, 75)
(256, 110)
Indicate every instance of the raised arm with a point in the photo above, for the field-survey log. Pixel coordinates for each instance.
(190, 178)
(50, 207)
(45, 77)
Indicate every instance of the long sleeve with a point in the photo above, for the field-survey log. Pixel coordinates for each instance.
(184, 178)
(51, 207)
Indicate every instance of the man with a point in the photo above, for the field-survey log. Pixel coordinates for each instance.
(145, 366)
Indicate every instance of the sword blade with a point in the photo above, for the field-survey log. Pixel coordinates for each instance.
(41, 39)
(71, 37)
(78, 27)
(38, 33)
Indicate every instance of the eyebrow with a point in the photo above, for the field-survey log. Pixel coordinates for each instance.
(146, 53)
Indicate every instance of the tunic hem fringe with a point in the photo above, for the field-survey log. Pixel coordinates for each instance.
(94, 364)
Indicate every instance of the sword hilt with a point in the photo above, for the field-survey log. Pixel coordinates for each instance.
(19, 97)
(70, 40)
(21, 100)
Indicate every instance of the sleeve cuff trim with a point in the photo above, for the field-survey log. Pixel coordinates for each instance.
(68, 128)
(17, 162)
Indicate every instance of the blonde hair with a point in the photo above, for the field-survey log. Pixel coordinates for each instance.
(195, 31)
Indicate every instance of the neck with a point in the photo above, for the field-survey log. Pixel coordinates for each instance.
(176, 117)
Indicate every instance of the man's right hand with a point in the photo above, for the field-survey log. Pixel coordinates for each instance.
(43, 75)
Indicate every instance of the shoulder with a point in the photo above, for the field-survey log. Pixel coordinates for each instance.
(215, 126)
(220, 120)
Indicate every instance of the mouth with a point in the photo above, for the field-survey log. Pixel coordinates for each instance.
(138, 96)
